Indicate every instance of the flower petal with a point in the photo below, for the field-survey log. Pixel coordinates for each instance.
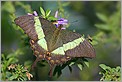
(30, 14)
(56, 14)
(35, 13)
(63, 28)
(60, 21)
(63, 21)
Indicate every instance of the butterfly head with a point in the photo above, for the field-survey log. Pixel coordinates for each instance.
(61, 22)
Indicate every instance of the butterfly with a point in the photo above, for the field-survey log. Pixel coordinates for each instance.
(52, 44)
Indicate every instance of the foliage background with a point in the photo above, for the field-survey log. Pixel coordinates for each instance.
(99, 19)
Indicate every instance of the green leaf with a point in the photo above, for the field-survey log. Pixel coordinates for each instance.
(103, 27)
(15, 60)
(10, 61)
(102, 17)
(25, 78)
(24, 70)
(42, 11)
(70, 68)
(80, 66)
(104, 67)
(48, 13)
(72, 63)
(59, 73)
(10, 56)
(52, 18)
(18, 51)
(8, 74)
(20, 79)
(118, 68)
(3, 56)
(94, 42)
(57, 70)
(14, 76)
(9, 7)
(86, 62)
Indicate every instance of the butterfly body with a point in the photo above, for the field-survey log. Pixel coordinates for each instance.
(53, 44)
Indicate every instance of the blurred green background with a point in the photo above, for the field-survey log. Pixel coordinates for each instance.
(100, 19)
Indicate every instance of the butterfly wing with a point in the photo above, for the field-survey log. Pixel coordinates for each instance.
(76, 45)
(27, 24)
(73, 44)
(37, 28)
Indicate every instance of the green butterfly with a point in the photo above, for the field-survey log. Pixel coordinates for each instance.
(53, 44)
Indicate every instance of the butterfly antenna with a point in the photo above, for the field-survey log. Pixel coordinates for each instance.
(35, 62)
(51, 70)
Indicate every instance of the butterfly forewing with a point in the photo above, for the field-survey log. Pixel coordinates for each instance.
(75, 45)
(49, 30)
(27, 24)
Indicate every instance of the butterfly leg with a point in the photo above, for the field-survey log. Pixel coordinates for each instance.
(38, 58)
(51, 70)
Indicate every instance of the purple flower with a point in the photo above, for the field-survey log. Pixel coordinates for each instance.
(61, 21)
(34, 13)
(56, 14)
